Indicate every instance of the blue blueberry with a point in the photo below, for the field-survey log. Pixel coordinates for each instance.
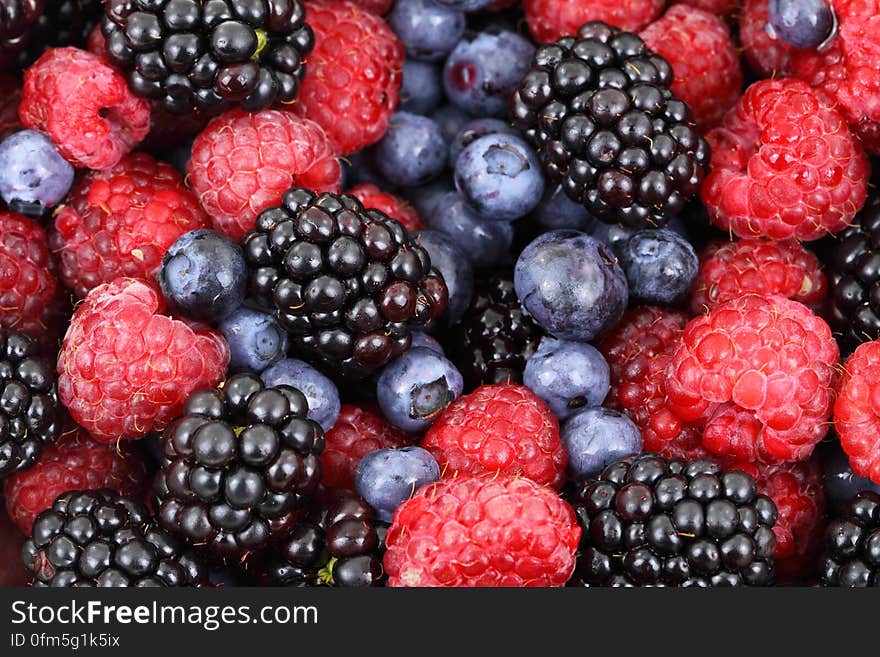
(415, 388)
(485, 243)
(203, 275)
(429, 31)
(484, 69)
(841, 483)
(500, 177)
(597, 437)
(321, 393)
(33, 176)
(800, 23)
(359, 168)
(571, 285)
(465, 5)
(456, 268)
(424, 198)
(616, 235)
(413, 151)
(255, 340)
(472, 131)
(660, 266)
(451, 120)
(387, 478)
(567, 375)
(422, 339)
(556, 210)
(422, 90)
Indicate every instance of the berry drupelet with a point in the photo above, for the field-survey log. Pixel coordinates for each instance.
(237, 466)
(207, 55)
(652, 522)
(852, 557)
(347, 283)
(599, 109)
(29, 407)
(98, 538)
(16, 19)
(60, 23)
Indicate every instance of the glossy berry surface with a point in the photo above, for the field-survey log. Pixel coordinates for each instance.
(800, 23)
(852, 544)
(321, 393)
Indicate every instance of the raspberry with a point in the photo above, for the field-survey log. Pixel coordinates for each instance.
(637, 351)
(354, 74)
(550, 20)
(482, 531)
(502, 429)
(75, 462)
(394, 206)
(125, 369)
(698, 46)
(378, 7)
(784, 165)
(857, 410)
(731, 269)
(358, 431)
(767, 57)
(10, 97)
(758, 373)
(717, 7)
(11, 571)
(243, 163)
(85, 106)
(120, 222)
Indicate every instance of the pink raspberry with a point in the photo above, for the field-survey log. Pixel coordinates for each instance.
(767, 57)
(717, 7)
(857, 410)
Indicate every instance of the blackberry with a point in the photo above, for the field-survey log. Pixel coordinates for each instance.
(16, 19)
(98, 538)
(237, 466)
(29, 407)
(651, 522)
(854, 277)
(495, 337)
(60, 23)
(852, 557)
(607, 127)
(346, 283)
(208, 55)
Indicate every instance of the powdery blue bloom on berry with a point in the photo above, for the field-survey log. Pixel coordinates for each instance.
(597, 437)
(556, 210)
(456, 268)
(472, 131)
(616, 235)
(421, 91)
(388, 477)
(413, 151)
(33, 176)
(451, 120)
(424, 198)
(465, 5)
(429, 30)
(320, 392)
(255, 340)
(422, 339)
(800, 23)
(485, 243)
(660, 266)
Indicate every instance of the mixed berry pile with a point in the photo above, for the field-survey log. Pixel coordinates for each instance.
(440, 293)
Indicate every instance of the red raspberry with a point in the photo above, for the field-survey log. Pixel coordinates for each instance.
(243, 163)
(378, 7)
(857, 410)
(394, 206)
(358, 431)
(120, 222)
(75, 462)
(758, 372)
(767, 57)
(637, 351)
(731, 269)
(550, 20)
(717, 7)
(10, 97)
(125, 369)
(354, 73)
(847, 69)
(698, 46)
(85, 106)
(784, 165)
(502, 429)
(482, 531)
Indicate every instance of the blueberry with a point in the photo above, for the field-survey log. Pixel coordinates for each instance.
(422, 90)
(485, 243)
(841, 483)
(556, 210)
(567, 375)
(360, 168)
(500, 177)
(415, 388)
(660, 266)
(451, 120)
(386, 478)
(424, 198)
(571, 285)
(597, 437)
(800, 23)
(457, 270)
(255, 340)
(422, 339)
(33, 176)
(465, 5)
(616, 235)
(482, 72)
(429, 31)
(472, 131)
(320, 392)
(203, 275)
(413, 151)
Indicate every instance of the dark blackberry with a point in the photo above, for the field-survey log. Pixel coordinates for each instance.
(237, 466)
(29, 407)
(208, 55)
(854, 276)
(16, 19)
(651, 522)
(495, 337)
(852, 545)
(61, 23)
(347, 283)
(599, 110)
(98, 538)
